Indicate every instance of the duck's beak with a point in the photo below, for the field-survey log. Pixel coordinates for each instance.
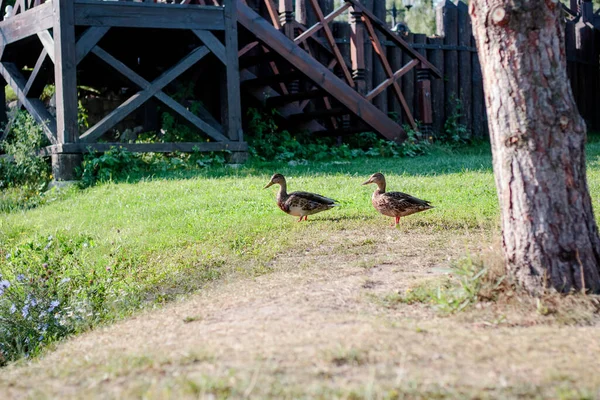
(367, 182)
(268, 184)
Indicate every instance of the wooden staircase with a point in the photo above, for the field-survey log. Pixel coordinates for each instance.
(278, 67)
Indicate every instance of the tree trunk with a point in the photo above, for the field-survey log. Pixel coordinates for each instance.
(550, 237)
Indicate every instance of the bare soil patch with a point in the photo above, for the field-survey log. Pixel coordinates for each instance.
(317, 327)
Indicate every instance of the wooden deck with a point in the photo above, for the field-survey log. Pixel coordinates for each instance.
(71, 31)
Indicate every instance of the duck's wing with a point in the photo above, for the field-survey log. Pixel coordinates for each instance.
(313, 197)
(404, 200)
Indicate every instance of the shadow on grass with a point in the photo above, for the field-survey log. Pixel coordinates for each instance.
(440, 161)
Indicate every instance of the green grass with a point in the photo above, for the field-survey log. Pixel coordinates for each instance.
(153, 238)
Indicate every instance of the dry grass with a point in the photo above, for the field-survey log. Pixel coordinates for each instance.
(311, 329)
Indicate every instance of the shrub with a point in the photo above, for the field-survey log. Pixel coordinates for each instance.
(116, 163)
(23, 166)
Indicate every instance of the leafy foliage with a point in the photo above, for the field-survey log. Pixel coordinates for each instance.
(268, 143)
(23, 166)
(115, 163)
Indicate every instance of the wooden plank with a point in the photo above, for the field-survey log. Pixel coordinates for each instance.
(397, 75)
(232, 118)
(319, 74)
(11, 74)
(286, 17)
(36, 70)
(318, 26)
(273, 13)
(447, 25)
(65, 72)
(379, 72)
(331, 41)
(409, 79)
(465, 75)
(148, 15)
(20, 26)
(88, 40)
(185, 147)
(206, 123)
(436, 56)
(47, 42)
(418, 38)
(395, 57)
(3, 114)
(379, 24)
(213, 44)
(139, 98)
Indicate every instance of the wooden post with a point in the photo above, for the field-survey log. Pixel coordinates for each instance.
(424, 99)
(436, 56)
(446, 16)
(65, 80)
(464, 67)
(3, 115)
(368, 51)
(419, 39)
(65, 71)
(357, 51)
(232, 123)
(286, 17)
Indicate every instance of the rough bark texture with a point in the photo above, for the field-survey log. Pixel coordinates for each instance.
(550, 237)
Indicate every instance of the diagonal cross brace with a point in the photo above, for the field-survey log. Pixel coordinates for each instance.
(149, 90)
(84, 45)
(11, 74)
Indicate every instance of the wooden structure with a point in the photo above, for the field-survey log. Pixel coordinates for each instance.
(67, 32)
(298, 67)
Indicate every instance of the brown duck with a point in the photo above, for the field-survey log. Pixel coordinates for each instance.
(394, 204)
(299, 204)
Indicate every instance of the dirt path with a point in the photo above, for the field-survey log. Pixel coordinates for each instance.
(317, 327)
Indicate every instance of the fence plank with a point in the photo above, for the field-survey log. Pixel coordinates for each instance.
(436, 57)
(447, 26)
(378, 69)
(408, 80)
(478, 104)
(395, 58)
(464, 66)
(418, 38)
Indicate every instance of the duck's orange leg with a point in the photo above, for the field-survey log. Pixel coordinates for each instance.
(300, 218)
(306, 217)
(397, 222)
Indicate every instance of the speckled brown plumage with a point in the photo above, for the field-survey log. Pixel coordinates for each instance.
(394, 204)
(299, 204)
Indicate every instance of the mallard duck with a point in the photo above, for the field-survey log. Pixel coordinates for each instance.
(394, 204)
(299, 204)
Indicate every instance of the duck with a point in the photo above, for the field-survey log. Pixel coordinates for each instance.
(299, 204)
(394, 204)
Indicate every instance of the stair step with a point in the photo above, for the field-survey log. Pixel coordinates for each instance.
(290, 98)
(343, 132)
(307, 116)
(272, 79)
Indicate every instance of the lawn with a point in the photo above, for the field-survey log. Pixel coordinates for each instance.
(121, 246)
(332, 286)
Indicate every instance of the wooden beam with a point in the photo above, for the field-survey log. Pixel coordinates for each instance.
(316, 27)
(36, 70)
(185, 147)
(213, 44)
(88, 40)
(65, 72)
(20, 26)
(232, 107)
(395, 38)
(319, 74)
(141, 97)
(331, 41)
(47, 42)
(209, 126)
(397, 75)
(247, 48)
(36, 107)
(148, 15)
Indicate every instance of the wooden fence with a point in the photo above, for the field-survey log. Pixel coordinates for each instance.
(452, 50)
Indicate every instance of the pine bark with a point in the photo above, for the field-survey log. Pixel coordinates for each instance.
(550, 236)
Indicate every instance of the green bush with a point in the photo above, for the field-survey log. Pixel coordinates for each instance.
(23, 167)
